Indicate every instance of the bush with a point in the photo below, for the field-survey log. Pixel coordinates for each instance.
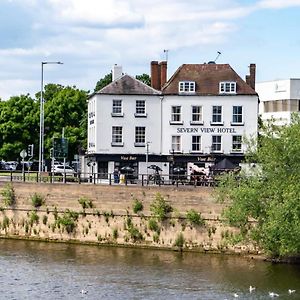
(85, 202)
(137, 206)
(160, 208)
(152, 224)
(37, 200)
(115, 233)
(68, 220)
(135, 234)
(179, 242)
(34, 218)
(8, 195)
(194, 217)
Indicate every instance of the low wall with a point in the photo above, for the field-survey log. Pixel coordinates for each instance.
(111, 220)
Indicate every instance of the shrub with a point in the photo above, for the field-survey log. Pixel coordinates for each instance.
(8, 195)
(152, 224)
(5, 222)
(194, 217)
(160, 208)
(85, 202)
(68, 220)
(115, 233)
(155, 237)
(135, 234)
(34, 218)
(37, 200)
(179, 242)
(137, 206)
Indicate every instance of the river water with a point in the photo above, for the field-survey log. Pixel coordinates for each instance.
(37, 270)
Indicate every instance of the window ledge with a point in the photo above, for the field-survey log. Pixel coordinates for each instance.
(236, 152)
(196, 152)
(117, 144)
(176, 122)
(196, 123)
(139, 144)
(237, 124)
(140, 115)
(175, 152)
(117, 115)
(217, 123)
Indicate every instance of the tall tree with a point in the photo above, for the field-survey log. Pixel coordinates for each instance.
(18, 125)
(107, 79)
(145, 78)
(269, 194)
(66, 109)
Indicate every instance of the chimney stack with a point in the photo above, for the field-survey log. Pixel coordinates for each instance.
(116, 72)
(163, 73)
(155, 75)
(250, 79)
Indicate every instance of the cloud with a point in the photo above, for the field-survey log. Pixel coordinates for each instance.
(278, 4)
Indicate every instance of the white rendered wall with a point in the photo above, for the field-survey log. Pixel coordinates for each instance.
(250, 110)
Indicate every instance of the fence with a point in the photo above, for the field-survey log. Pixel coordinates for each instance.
(108, 178)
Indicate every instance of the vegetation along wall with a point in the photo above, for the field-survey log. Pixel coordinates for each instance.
(186, 218)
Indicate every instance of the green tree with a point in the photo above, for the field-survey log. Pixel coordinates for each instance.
(107, 79)
(66, 108)
(19, 125)
(145, 78)
(271, 194)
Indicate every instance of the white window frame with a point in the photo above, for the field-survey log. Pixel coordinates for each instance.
(117, 136)
(197, 144)
(117, 108)
(140, 136)
(176, 115)
(140, 110)
(227, 87)
(187, 86)
(237, 115)
(237, 140)
(197, 117)
(176, 144)
(217, 115)
(216, 146)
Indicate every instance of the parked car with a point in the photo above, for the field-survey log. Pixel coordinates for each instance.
(10, 165)
(61, 170)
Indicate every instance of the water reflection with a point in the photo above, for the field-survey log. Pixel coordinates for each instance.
(35, 270)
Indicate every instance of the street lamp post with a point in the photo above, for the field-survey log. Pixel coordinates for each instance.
(147, 156)
(41, 144)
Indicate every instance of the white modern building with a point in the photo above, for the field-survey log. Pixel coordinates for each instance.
(279, 99)
(199, 116)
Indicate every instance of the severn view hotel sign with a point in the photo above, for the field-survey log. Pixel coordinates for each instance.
(206, 130)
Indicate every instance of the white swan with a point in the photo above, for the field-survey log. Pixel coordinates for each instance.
(84, 292)
(272, 294)
(292, 291)
(251, 288)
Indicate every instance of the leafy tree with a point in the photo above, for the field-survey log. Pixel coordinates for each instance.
(145, 78)
(107, 79)
(271, 194)
(66, 108)
(19, 125)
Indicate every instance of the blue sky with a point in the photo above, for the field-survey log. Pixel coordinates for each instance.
(89, 36)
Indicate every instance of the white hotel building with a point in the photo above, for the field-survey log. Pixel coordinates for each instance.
(200, 115)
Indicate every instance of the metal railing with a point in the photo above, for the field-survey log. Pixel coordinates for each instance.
(109, 178)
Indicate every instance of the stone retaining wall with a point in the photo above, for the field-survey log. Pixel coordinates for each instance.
(112, 220)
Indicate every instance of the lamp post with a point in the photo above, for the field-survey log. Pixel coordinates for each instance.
(147, 155)
(41, 144)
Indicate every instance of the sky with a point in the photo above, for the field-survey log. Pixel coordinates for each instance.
(90, 36)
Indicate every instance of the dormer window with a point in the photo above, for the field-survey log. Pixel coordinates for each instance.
(227, 87)
(187, 86)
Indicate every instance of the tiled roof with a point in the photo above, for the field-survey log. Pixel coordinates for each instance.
(127, 85)
(207, 78)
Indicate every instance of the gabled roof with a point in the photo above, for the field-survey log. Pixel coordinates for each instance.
(127, 85)
(207, 78)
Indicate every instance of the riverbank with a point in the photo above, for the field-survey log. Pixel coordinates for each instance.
(102, 214)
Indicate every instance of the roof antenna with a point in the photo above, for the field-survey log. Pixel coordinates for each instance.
(166, 51)
(219, 53)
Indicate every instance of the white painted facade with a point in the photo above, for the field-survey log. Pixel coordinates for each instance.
(279, 99)
(161, 131)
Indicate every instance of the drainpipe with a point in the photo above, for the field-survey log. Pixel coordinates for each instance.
(161, 123)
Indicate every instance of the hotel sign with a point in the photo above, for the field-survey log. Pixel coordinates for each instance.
(214, 130)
